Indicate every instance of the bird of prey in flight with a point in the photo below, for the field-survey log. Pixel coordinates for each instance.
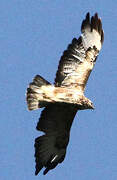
(65, 97)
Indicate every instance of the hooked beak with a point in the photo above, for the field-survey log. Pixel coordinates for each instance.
(92, 106)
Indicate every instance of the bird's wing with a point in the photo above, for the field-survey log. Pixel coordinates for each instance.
(50, 149)
(56, 118)
(78, 60)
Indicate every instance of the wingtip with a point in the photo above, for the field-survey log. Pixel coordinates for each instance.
(36, 173)
(91, 23)
(102, 36)
(88, 16)
(96, 15)
(38, 169)
(45, 171)
(85, 22)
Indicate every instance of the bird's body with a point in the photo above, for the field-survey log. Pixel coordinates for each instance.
(63, 99)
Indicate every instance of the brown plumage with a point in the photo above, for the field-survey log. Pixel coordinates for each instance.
(63, 99)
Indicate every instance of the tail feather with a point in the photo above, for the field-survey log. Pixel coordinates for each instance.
(40, 81)
(33, 91)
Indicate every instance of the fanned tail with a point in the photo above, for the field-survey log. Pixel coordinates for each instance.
(34, 91)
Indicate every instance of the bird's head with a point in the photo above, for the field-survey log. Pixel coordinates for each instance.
(90, 105)
(87, 104)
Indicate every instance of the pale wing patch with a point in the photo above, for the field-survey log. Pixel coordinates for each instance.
(91, 39)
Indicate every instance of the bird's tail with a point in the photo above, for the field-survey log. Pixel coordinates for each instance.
(34, 93)
(47, 154)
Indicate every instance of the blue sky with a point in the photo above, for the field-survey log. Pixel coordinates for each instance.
(33, 35)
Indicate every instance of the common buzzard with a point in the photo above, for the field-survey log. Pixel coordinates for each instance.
(65, 97)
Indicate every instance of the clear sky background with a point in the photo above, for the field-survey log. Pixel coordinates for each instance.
(33, 36)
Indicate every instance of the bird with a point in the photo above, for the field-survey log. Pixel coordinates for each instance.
(63, 99)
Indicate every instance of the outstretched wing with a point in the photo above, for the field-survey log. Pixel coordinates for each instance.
(78, 60)
(50, 149)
